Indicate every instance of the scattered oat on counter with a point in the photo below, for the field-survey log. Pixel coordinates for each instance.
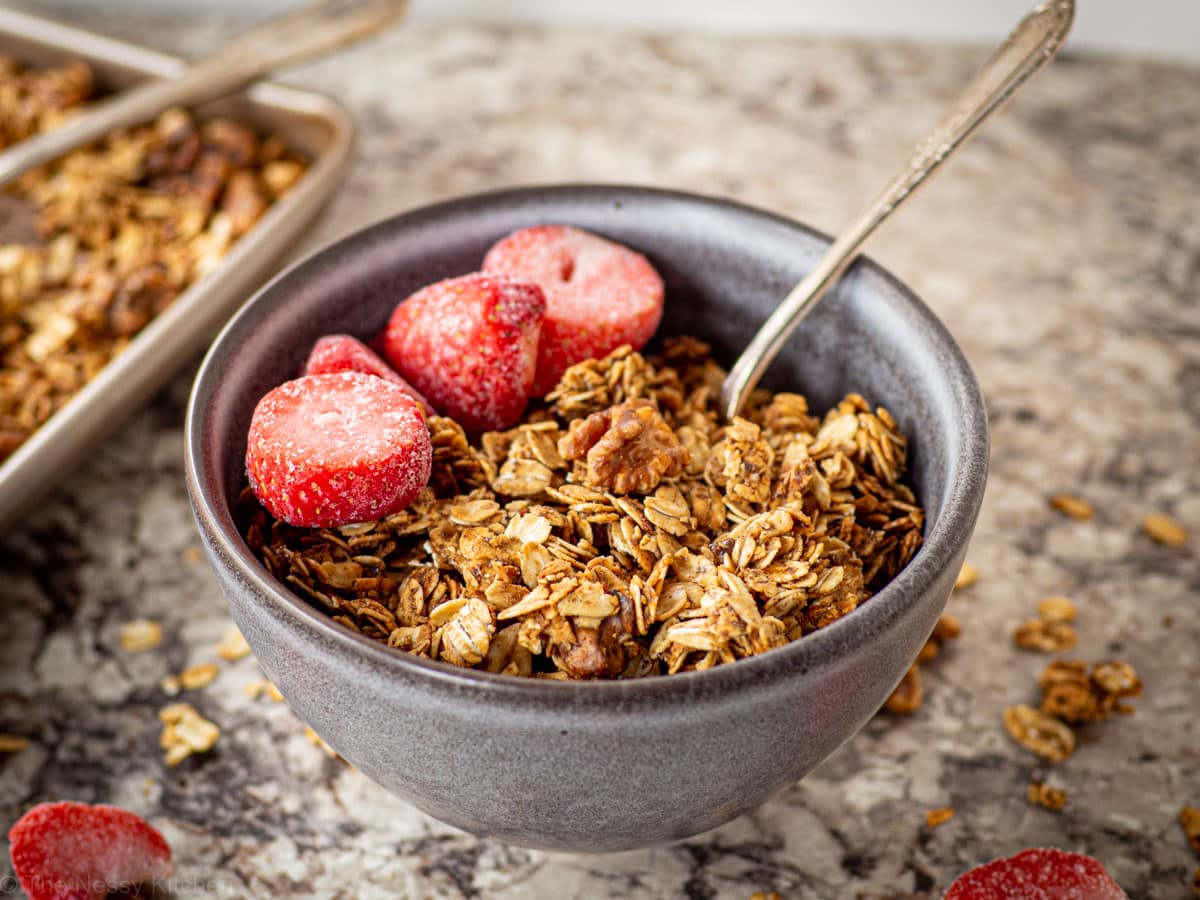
(185, 732)
(1045, 635)
(1164, 530)
(1057, 609)
(1045, 735)
(909, 693)
(939, 816)
(1075, 507)
(1051, 631)
(1189, 820)
(318, 741)
(232, 645)
(13, 743)
(1076, 695)
(967, 576)
(907, 696)
(140, 635)
(263, 688)
(1073, 693)
(1042, 794)
(199, 676)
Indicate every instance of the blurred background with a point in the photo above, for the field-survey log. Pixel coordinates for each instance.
(1161, 28)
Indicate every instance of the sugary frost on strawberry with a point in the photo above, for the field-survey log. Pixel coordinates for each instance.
(1037, 874)
(599, 294)
(329, 450)
(470, 345)
(343, 353)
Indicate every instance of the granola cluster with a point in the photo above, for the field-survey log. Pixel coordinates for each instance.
(620, 530)
(116, 232)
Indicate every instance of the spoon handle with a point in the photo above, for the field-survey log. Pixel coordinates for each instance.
(273, 44)
(1031, 46)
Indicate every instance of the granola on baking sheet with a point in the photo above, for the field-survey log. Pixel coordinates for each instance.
(117, 231)
(619, 530)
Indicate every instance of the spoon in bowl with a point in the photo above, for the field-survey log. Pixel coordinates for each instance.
(1032, 44)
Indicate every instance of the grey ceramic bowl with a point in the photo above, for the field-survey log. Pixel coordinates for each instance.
(603, 765)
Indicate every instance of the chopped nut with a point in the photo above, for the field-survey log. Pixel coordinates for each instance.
(1070, 505)
(1040, 794)
(906, 698)
(1057, 609)
(939, 816)
(967, 576)
(171, 685)
(13, 743)
(1046, 636)
(629, 448)
(1046, 736)
(1189, 818)
(1164, 530)
(139, 635)
(199, 676)
(232, 645)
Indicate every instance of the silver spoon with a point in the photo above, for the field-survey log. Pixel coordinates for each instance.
(270, 45)
(1031, 46)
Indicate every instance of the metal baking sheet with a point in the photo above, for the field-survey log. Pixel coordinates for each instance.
(312, 123)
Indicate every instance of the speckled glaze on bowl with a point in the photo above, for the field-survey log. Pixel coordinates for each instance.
(599, 766)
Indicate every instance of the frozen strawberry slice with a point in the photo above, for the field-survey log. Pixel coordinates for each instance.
(73, 851)
(469, 344)
(599, 294)
(327, 450)
(1037, 874)
(343, 353)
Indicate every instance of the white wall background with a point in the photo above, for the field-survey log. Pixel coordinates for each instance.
(1164, 28)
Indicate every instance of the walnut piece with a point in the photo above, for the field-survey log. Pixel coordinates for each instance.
(629, 448)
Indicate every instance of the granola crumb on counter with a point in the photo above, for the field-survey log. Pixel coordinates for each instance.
(185, 732)
(619, 530)
(907, 696)
(1164, 530)
(939, 816)
(1189, 820)
(140, 635)
(1072, 506)
(1045, 795)
(14, 743)
(198, 676)
(232, 645)
(1048, 737)
(967, 576)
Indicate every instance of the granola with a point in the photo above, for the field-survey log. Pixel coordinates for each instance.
(1045, 735)
(1047, 796)
(1072, 693)
(120, 229)
(620, 530)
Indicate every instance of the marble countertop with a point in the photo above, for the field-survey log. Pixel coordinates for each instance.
(1062, 249)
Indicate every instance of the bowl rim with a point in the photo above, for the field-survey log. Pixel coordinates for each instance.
(942, 544)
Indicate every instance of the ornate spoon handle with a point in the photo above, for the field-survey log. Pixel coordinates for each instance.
(1032, 44)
